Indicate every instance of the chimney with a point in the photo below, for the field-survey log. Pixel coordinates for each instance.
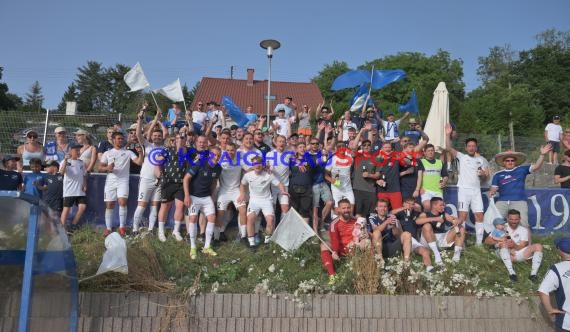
(250, 76)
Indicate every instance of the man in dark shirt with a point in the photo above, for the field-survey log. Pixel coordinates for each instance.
(562, 171)
(199, 183)
(258, 142)
(389, 182)
(364, 175)
(10, 179)
(132, 144)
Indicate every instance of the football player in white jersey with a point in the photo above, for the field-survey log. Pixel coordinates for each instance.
(278, 162)
(116, 162)
(149, 190)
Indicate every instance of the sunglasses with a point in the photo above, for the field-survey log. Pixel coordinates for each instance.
(366, 144)
(509, 160)
(315, 143)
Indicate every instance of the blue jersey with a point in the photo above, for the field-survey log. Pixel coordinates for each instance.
(31, 181)
(511, 183)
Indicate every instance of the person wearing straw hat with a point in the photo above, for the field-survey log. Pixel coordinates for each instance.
(510, 181)
(556, 281)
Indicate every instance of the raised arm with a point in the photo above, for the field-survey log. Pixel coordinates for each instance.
(448, 143)
(543, 150)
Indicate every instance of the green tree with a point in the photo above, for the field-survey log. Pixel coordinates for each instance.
(34, 98)
(498, 64)
(8, 101)
(93, 89)
(69, 95)
(121, 100)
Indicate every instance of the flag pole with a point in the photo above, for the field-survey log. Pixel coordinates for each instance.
(152, 94)
(371, 76)
(323, 242)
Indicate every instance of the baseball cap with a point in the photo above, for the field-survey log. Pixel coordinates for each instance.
(563, 244)
(59, 130)
(412, 121)
(556, 117)
(132, 127)
(8, 157)
(52, 163)
(81, 132)
(499, 221)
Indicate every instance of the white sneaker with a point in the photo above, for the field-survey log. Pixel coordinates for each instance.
(161, 237)
(177, 236)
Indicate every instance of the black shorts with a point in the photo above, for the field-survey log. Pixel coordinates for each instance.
(391, 249)
(555, 146)
(364, 202)
(172, 191)
(301, 199)
(74, 200)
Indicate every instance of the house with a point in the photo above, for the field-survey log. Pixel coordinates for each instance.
(254, 92)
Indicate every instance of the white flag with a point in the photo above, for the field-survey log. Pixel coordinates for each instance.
(135, 78)
(292, 231)
(172, 91)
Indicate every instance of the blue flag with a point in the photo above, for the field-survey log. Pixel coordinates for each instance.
(411, 106)
(359, 97)
(235, 113)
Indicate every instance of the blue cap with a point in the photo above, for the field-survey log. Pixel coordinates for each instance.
(499, 221)
(563, 244)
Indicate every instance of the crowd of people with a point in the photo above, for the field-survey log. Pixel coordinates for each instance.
(359, 179)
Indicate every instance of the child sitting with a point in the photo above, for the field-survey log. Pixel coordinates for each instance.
(360, 236)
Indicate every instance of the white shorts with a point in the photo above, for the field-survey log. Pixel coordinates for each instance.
(224, 199)
(339, 194)
(278, 196)
(116, 189)
(440, 239)
(148, 190)
(519, 255)
(469, 197)
(265, 206)
(204, 204)
(416, 244)
(428, 195)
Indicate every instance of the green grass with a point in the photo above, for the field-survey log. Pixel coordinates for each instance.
(270, 270)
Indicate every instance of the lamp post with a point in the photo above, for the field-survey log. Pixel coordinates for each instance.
(269, 45)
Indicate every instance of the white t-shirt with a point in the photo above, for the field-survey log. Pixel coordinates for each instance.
(122, 159)
(147, 169)
(279, 162)
(518, 235)
(73, 178)
(199, 117)
(391, 129)
(468, 167)
(259, 185)
(342, 170)
(283, 126)
(550, 283)
(553, 132)
(230, 178)
(246, 156)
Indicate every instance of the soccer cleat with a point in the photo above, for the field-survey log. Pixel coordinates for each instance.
(223, 237)
(193, 253)
(107, 232)
(209, 251)
(122, 231)
(333, 279)
(161, 237)
(267, 238)
(513, 277)
(257, 239)
(533, 278)
(177, 236)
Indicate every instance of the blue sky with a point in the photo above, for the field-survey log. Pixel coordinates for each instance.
(48, 40)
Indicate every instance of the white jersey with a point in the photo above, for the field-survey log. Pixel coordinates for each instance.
(283, 126)
(122, 160)
(551, 283)
(230, 178)
(279, 162)
(259, 185)
(518, 235)
(338, 167)
(147, 169)
(73, 178)
(245, 157)
(468, 170)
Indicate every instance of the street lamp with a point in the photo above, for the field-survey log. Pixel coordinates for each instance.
(269, 45)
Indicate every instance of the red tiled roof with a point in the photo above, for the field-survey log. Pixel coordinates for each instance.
(243, 95)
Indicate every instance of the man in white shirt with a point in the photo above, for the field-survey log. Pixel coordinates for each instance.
(116, 162)
(519, 248)
(288, 106)
(149, 190)
(553, 134)
(278, 162)
(556, 280)
(258, 181)
(281, 124)
(473, 170)
(74, 185)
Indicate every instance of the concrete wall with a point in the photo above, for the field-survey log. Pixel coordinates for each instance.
(246, 312)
